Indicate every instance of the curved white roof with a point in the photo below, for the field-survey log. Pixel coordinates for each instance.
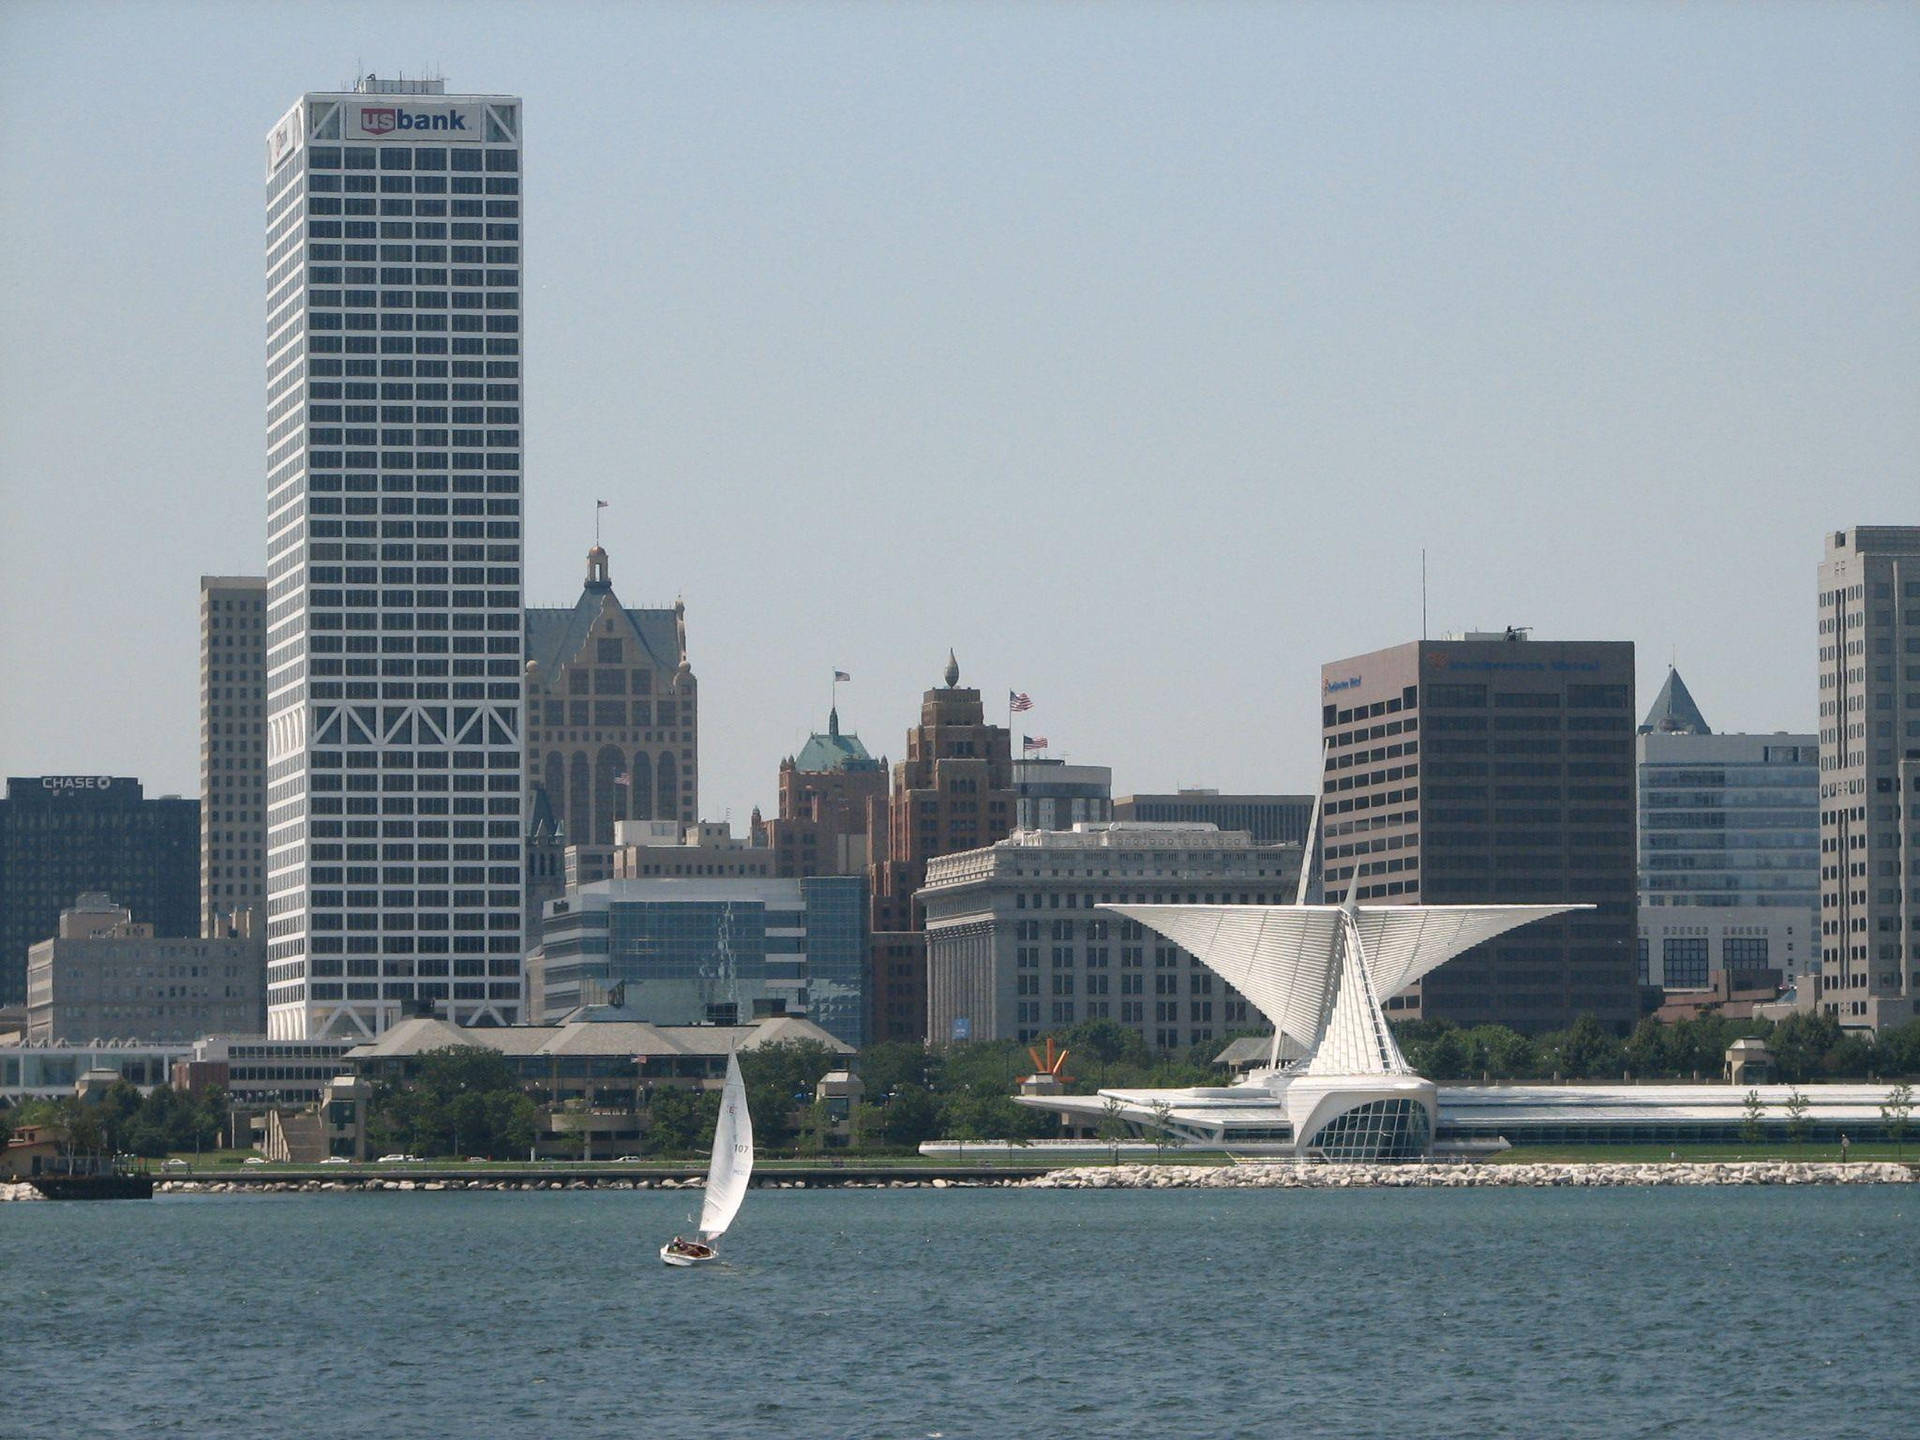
(1287, 961)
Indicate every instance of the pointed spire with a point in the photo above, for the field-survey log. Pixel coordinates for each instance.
(953, 670)
(1674, 712)
(833, 722)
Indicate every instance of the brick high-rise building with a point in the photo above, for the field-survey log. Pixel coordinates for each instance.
(1870, 775)
(825, 795)
(1500, 769)
(953, 792)
(613, 729)
(233, 752)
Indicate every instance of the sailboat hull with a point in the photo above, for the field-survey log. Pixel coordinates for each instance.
(681, 1260)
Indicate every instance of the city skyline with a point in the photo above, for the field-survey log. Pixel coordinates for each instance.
(1429, 280)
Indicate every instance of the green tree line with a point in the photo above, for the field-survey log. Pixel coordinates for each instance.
(1805, 1047)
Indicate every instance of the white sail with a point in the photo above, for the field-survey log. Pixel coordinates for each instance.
(732, 1164)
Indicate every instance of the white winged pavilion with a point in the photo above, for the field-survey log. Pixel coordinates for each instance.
(1318, 973)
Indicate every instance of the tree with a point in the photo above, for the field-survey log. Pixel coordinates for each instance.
(1896, 1111)
(1754, 1108)
(1163, 1132)
(1798, 1125)
(911, 1115)
(673, 1121)
(462, 1100)
(1113, 1127)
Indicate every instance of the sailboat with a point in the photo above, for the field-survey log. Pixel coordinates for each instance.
(727, 1175)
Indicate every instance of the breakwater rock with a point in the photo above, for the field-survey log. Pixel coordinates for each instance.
(354, 1185)
(22, 1191)
(1286, 1175)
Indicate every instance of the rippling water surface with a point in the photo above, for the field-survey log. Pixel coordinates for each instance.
(917, 1313)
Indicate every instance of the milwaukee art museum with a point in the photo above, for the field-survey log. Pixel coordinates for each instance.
(1335, 1086)
(1317, 972)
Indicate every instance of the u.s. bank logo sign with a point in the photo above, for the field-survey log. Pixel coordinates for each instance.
(373, 122)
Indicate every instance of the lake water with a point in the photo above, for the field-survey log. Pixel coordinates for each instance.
(962, 1313)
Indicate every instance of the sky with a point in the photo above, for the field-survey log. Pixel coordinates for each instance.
(1137, 353)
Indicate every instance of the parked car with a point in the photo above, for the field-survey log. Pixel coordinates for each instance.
(392, 1159)
(175, 1163)
(336, 1160)
(254, 1160)
(628, 1160)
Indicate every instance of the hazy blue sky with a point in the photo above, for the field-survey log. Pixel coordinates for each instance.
(1134, 352)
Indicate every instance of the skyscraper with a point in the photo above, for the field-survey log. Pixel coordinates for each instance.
(830, 794)
(64, 835)
(394, 824)
(233, 752)
(1492, 768)
(1729, 847)
(954, 791)
(612, 712)
(1870, 775)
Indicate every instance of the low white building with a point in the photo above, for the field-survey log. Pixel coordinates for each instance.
(104, 975)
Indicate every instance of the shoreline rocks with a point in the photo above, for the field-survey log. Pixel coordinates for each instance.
(1287, 1175)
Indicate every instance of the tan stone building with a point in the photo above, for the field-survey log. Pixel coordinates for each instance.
(953, 792)
(233, 750)
(104, 975)
(613, 712)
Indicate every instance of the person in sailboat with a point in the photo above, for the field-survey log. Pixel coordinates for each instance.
(679, 1245)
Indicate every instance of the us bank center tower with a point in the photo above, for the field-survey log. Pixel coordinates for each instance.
(394, 614)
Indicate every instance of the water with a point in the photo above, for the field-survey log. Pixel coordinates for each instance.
(1780, 1312)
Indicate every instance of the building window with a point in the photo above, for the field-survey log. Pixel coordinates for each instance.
(1684, 963)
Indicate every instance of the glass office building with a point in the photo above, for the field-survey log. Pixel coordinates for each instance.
(721, 951)
(394, 609)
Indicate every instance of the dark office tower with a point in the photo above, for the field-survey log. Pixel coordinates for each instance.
(1870, 775)
(233, 754)
(394, 725)
(954, 791)
(1492, 768)
(613, 730)
(61, 835)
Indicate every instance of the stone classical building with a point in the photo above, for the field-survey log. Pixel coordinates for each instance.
(233, 751)
(953, 792)
(832, 794)
(63, 835)
(1492, 768)
(1870, 775)
(613, 712)
(1017, 944)
(104, 974)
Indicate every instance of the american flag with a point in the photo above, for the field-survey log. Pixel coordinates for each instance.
(841, 675)
(1017, 702)
(1033, 742)
(623, 779)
